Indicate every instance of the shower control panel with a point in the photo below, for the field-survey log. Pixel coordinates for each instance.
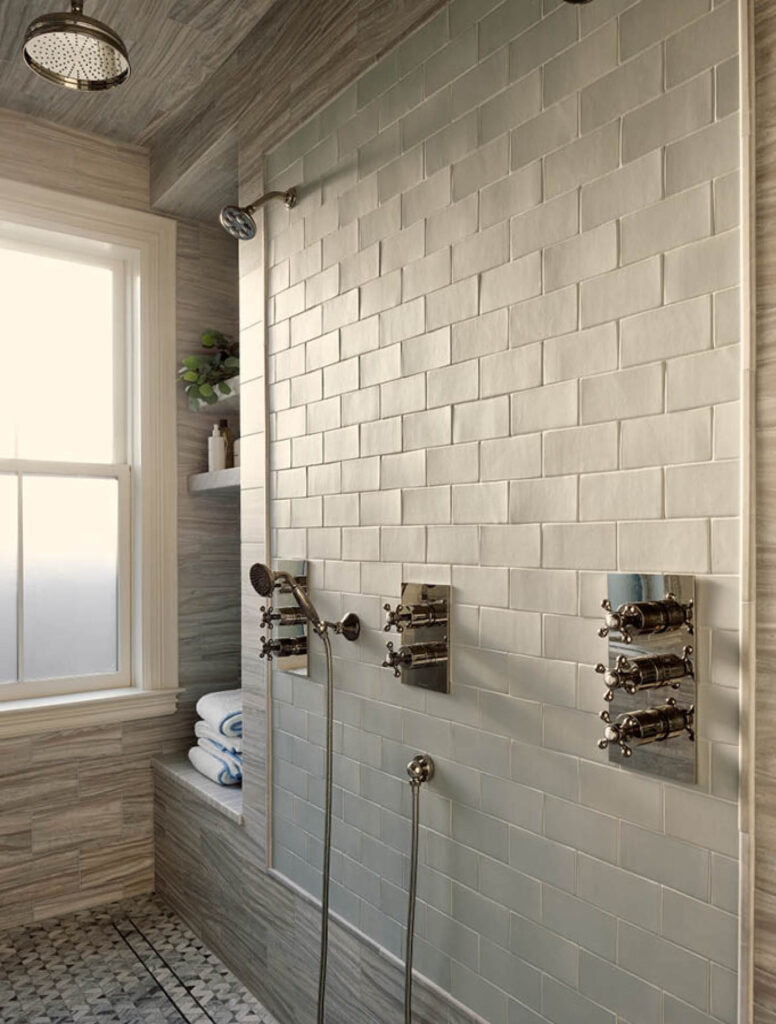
(422, 620)
(287, 624)
(650, 674)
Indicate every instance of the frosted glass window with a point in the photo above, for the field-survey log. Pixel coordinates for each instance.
(8, 578)
(65, 483)
(58, 329)
(70, 603)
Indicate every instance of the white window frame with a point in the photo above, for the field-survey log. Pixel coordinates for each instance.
(76, 250)
(144, 245)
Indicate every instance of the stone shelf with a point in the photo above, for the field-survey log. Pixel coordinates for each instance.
(221, 481)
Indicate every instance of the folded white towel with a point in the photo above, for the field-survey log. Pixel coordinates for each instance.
(221, 768)
(218, 750)
(233, 744)
(222, 711)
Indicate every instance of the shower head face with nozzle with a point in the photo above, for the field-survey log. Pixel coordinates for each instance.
(76, 52)
(262, 579)
(238, 222)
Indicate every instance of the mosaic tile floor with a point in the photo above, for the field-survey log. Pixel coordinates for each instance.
(127, 963)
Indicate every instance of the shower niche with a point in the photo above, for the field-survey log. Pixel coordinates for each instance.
(649, 674)
(284, 626)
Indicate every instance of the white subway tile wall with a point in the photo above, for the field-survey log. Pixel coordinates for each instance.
(504, 354)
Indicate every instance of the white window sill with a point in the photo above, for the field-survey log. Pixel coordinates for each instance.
(83, 710)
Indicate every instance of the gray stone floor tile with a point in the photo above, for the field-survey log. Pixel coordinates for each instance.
(128, 963)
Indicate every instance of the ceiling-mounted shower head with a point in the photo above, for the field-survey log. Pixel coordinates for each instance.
(578, 1)
(75, 51)
(238, 220)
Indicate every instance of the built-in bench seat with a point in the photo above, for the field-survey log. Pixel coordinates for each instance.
(226, 799)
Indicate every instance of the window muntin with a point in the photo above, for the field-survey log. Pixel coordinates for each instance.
(63, 456)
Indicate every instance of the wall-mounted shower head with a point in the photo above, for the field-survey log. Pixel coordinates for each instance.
(238, 220)
(77, 52)
(264, 581)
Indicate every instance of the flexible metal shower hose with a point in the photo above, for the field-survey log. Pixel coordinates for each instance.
(415, 786)
(327, 826)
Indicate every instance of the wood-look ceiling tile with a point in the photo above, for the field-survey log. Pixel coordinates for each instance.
(174, 47)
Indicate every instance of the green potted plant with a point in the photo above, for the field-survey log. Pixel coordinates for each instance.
(206, 378)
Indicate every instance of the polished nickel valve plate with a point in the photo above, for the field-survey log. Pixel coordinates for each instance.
(674, 758)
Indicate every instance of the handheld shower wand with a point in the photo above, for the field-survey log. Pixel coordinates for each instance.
(264, 581)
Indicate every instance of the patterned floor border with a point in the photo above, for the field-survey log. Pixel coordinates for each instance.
(134, 962)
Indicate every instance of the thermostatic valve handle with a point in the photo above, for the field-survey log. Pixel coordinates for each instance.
(394, 659)
(637, 618)
(268, 617)
(648, 725)
(284, 647)
(648, 673)
(615, 732)
(416, 655)
(394, 618)
(422, 615)
(268, 647)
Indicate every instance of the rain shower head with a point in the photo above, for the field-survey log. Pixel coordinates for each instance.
(77, 52)
(238, 220)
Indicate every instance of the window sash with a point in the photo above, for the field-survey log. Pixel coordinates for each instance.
(28, 689)
(78, 250)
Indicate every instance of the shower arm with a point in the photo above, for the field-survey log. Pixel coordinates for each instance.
(289, 198)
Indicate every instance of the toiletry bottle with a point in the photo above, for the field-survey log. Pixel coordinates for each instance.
(226, 433)
(216, 450)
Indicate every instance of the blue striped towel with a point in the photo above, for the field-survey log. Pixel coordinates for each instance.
(232, 744)
(222, 711)
(219, 766)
